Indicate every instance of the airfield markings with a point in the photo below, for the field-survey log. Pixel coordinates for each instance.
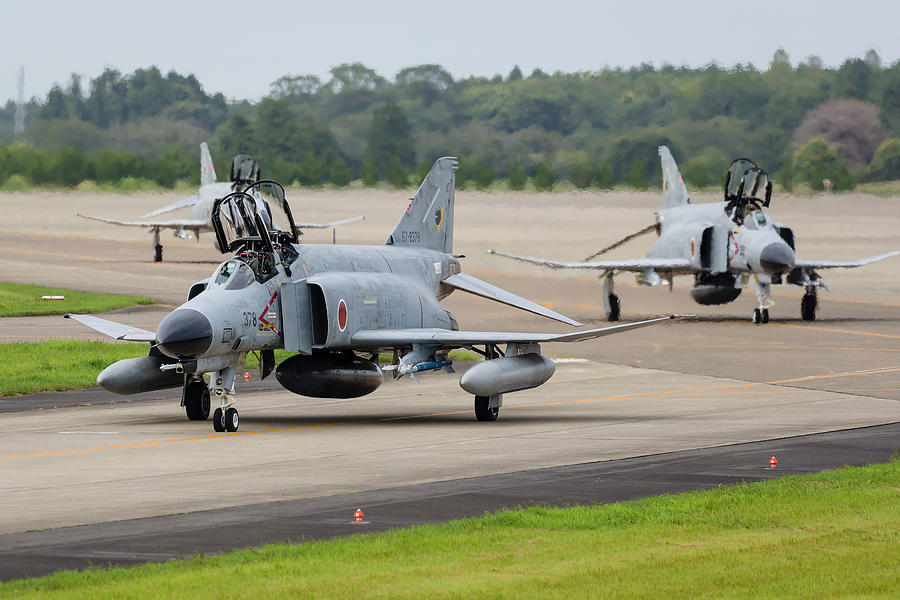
(835, 330)
(703, 390)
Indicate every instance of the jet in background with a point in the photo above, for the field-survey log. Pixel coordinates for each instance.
(244, 171)
(722, 244)
(337, 307)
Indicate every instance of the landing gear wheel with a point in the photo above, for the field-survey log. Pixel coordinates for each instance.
(613, 314)
(483, 410)
(157, 253)
(757, 316)
(232, 420)
(196, 401)
(218, 421)
(765, 315)
(808, 307)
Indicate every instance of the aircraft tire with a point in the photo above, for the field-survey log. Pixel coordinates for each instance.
(157, 253)
(232, 420)
(765, 315)
(614, 308)
(196, 401)
(218, 421)
(808, 307)
(483, 410)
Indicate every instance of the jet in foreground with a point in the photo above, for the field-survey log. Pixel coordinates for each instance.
(337, 307)
(722, 244)
(244, 171)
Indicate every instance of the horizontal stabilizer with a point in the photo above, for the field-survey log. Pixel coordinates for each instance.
(114, 330)
(448, 338)
(186, 203)
(173, 224)
(473, 285)
(636, 265)
(327, 225)
(822, 264)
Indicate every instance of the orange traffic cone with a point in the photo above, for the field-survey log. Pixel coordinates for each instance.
(772, 462)
(358, 515)
(246, 376)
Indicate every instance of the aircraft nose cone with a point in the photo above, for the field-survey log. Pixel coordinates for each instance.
(777, 257)
(184, 333)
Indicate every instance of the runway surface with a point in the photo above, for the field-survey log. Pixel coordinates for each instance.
(75, 479)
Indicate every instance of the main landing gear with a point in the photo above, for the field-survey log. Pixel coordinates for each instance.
(610, 300)
(196, 399)
(487, 408)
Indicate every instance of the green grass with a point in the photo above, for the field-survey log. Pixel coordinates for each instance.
(29, 368)
(828, 535)
(17, 300)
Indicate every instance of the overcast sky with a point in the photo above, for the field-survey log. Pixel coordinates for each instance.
(239, 48)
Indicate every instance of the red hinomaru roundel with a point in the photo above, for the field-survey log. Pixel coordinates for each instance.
(342, 314)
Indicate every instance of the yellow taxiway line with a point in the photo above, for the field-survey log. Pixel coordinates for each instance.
(423, 416)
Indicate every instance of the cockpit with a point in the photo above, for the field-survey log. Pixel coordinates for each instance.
(755, 218)
(747, 188)
(234, 275)
(257, 225)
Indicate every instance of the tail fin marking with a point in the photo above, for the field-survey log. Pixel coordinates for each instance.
(207, 169)
(428, 219)
(674, 191)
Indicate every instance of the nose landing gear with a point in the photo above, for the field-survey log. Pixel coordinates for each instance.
(764, 297)
(225, 418)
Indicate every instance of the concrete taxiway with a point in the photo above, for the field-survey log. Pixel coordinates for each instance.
(135, 541)
(698, 386)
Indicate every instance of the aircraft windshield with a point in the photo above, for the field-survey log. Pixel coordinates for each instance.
(234, 275)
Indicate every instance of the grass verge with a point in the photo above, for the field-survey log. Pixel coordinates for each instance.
(829, 535)
(32, 367)
(18, 300)
(29, 368)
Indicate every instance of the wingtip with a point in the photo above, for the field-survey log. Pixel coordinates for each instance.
(490, 251)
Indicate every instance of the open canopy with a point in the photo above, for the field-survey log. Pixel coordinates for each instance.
(746, 185)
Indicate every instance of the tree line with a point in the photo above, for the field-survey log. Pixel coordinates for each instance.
(803, 123)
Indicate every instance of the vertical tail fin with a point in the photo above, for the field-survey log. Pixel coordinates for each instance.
(207, 169)
(674, 191)
(428, 219)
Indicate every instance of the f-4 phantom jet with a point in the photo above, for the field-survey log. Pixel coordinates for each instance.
(337, 307)
(244, 171)
(722, 244)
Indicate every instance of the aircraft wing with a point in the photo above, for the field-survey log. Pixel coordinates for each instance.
(473, 285)
(114, 330)
(455, 339)
(637, 265)
(174, 206)
(327, 225)
(173, 224)
(824, 264)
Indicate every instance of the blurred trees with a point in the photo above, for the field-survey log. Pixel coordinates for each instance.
(597, 128)
(851, 126)
(817, 161)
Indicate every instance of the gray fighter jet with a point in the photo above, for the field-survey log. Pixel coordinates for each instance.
(244, 171)
(723, 245)
(337, 307)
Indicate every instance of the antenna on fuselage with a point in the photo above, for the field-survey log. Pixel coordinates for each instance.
(19, 127)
